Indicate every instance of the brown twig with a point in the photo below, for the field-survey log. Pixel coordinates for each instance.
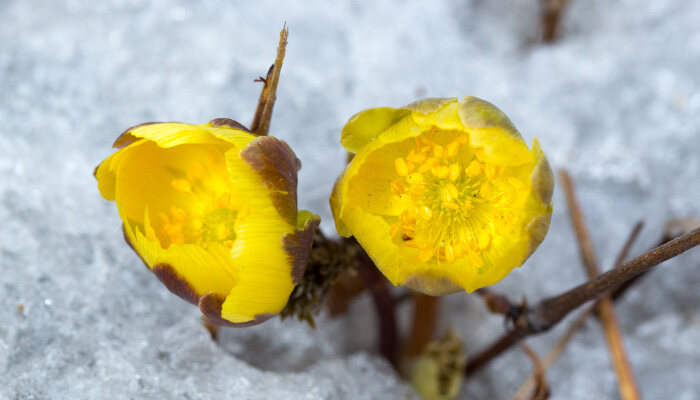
(627, 384)
(425, 315)
(539, 372)
(378, 287)
(263, 113)
(497, 303)
(550, 311)
(529, 385)
(551, 15)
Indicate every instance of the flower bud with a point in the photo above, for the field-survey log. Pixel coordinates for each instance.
(442, 195)
(211, 209)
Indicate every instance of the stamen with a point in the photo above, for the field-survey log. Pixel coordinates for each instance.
(438, 151)
(453, 208)
(401, 167)
(441, 171)
(452, 148)
(473, 169)
(454, 172)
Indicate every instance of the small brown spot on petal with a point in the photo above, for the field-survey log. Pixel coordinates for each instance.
(228, 123)
(175, 283)
(277, 165)
(298, 245)
(210, 305)
(126, 138)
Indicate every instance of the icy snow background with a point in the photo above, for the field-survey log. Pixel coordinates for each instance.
(617, 101)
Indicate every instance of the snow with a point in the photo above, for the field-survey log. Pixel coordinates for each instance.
(616, 101)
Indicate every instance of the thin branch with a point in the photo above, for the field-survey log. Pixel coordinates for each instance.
(263, 113)
(550, 311)
(627, 384)
(530, 384)
(551, 15)
(539, 372)
(496, 302)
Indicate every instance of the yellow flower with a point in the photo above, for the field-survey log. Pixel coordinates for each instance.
(442, 194)
(211, 209)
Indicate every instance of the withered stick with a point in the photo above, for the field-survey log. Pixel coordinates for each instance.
(540, 374)
(627, 385)
(529, 385)
(425, 315)
(550, 311)
(263, 113)
(496, 302)
(377, 286)
(551, 15)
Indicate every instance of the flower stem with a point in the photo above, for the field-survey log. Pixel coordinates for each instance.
(376, 284)
(426, 310)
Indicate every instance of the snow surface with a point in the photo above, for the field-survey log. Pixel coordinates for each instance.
(617, 102)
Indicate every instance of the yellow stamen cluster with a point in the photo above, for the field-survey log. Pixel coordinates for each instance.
(455, 200)
(211, 212)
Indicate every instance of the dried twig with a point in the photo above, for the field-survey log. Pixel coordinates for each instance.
(627, 385)
(551, 15)
(550, 311)
(539, 372)
(263, 113)
(529, 385)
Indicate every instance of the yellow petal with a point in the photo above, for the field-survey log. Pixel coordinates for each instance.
(366, 126)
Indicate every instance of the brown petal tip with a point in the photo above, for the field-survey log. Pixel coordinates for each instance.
(298, 246)
(210, 305)
(477, 113)
(228, 123)
(429, 105)
(175, 283)
(277, 166)
(537, 229)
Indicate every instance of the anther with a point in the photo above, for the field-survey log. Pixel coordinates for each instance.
(440, 171)
(425, 212)
(438, 151)
(401, 167)
(454, 172)
(473, 169)
(453, 148)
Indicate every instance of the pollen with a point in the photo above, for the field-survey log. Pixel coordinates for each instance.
(457, 200)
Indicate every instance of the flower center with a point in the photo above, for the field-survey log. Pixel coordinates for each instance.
(455, 201)
(208, 213)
